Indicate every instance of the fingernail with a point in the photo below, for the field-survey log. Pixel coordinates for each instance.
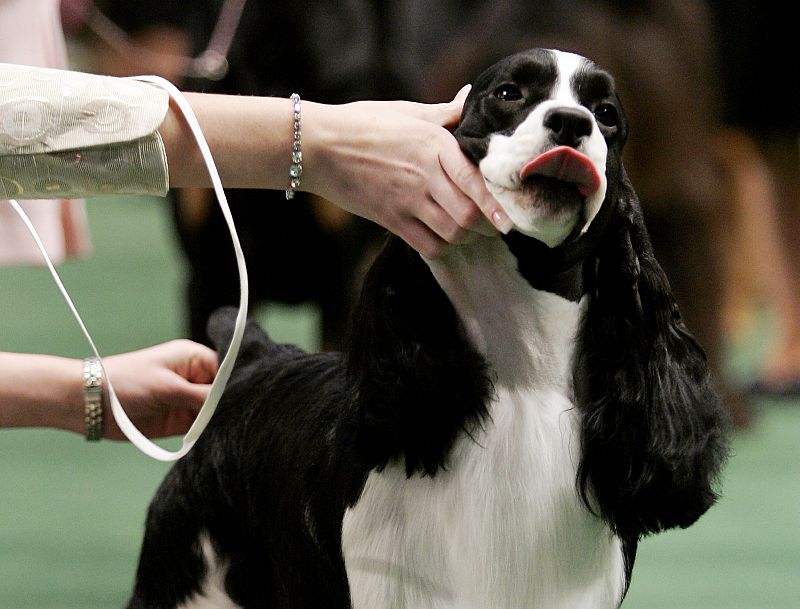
(501, 221)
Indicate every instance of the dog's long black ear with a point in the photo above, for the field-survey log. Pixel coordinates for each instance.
(654, 432)
(417, 381)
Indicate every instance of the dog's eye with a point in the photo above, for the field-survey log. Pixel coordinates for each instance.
(607, 115)
(508, 92)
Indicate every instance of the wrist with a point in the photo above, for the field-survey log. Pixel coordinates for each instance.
(321, 137)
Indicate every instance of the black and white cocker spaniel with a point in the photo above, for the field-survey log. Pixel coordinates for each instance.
(506, 423)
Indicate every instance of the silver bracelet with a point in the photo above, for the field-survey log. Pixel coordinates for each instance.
(93, 398)
(296, 168)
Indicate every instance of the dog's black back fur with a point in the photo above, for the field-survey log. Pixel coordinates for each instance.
(272, 530)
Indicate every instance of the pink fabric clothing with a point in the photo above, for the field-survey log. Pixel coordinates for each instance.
(31, 34)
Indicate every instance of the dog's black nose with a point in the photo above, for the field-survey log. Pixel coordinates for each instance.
(568, 125)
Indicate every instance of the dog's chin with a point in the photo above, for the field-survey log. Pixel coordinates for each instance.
(545, 208)
(552, 197)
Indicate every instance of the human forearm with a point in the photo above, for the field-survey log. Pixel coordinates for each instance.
(41, 391)
(245, 135)
(161, 388)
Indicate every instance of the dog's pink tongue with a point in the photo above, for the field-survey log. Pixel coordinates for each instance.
(565, 164)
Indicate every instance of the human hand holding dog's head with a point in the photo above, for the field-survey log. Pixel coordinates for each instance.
(397, 163)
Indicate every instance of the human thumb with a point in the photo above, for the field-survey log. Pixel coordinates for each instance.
(453, 109)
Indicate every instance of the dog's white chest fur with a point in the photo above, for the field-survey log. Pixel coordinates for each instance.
(502, 527)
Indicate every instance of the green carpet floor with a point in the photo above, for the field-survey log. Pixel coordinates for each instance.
(71, 514)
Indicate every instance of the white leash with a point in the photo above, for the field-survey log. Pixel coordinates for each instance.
(226, 366)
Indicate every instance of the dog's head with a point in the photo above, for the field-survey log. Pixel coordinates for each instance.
(546, 129)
